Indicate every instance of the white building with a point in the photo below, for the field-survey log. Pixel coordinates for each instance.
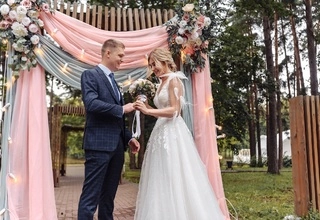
(244, 154)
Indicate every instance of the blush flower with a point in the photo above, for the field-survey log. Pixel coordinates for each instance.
(19, 25)
(188, 36)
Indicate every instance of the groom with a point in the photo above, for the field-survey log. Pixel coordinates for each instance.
(105, 136)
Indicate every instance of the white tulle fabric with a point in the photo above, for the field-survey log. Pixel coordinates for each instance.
(174, 184)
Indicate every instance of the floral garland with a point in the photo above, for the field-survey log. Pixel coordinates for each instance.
(20, 25)
(189, 34)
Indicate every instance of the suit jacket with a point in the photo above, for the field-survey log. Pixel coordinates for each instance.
(104, 113)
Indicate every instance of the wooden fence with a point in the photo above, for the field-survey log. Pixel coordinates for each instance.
(114, 19)
(305, 144)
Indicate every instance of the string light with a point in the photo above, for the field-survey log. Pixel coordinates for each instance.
(4, 108)
(219, 127)
(54, 31)
(9, 140)
(65, 67)
(221, 136)
(13, 177)
(2, 211)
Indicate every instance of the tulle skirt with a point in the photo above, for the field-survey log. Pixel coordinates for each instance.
(174, 184)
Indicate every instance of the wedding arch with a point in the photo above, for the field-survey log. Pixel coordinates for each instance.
(27, 190)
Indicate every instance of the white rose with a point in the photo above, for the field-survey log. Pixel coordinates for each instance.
(207, 21)
(179, 40)
(181, 31)
(194, 35)
(19, 17)
(10, 2)
(33, 28)
(24, 58)
(26, 21)
(13, 15)
(188, 7)
(19, 30)
(183, 23)
(22, 10)
(40, 23)
(35, 39)
(4, 9)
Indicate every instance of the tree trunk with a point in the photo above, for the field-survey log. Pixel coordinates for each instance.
(272, 134)
(299, 76)
(252, 137)
(278, 93)
(258, 126)
(311, 49)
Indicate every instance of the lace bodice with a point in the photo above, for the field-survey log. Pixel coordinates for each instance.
(161, 99)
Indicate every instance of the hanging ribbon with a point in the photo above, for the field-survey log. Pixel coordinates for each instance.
(136, 125)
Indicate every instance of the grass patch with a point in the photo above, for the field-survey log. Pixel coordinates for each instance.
(258, 195)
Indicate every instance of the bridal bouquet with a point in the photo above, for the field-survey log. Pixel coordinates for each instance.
(142, 89)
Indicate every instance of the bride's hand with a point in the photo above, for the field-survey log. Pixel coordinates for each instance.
(139, 105)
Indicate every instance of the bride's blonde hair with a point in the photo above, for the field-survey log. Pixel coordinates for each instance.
(161, 57)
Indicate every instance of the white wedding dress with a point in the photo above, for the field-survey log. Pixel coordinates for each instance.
(173, 182)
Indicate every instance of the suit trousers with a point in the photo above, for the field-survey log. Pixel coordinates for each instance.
(102, 175)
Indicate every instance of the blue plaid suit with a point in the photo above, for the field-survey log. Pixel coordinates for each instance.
(105, 140)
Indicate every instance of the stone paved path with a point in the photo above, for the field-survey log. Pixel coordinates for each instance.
(68, 192)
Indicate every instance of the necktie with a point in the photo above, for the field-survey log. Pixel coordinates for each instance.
(114, 85)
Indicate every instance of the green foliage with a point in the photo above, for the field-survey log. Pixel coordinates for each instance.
(74, 138)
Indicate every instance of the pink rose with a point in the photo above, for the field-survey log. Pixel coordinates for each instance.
(33, 28)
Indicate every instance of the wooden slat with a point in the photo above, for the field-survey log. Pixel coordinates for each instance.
(159, 17)
(315, 146)
(68, 9)
(148, 18)
(106, 18)
(142, 19)
(307, 104)
(61, 6)
(118, 19)
(165, 16)
(124, 19)
(88, 12)
(112, 19)
(94, 16)
(299, 156)
(99, 15)
(136, 19)
(81, 15)
(130, 19)
(153, 18)
(74, 12)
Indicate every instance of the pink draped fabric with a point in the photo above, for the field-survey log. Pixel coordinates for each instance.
(205, 132)
(31, 195)
(77, 38)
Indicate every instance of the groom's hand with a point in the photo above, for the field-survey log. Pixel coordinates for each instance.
(134, 145)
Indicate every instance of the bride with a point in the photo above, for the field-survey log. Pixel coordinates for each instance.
(173, 184)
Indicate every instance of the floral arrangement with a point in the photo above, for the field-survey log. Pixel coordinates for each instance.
(189, 34)
(20, 25)
(142, 87)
